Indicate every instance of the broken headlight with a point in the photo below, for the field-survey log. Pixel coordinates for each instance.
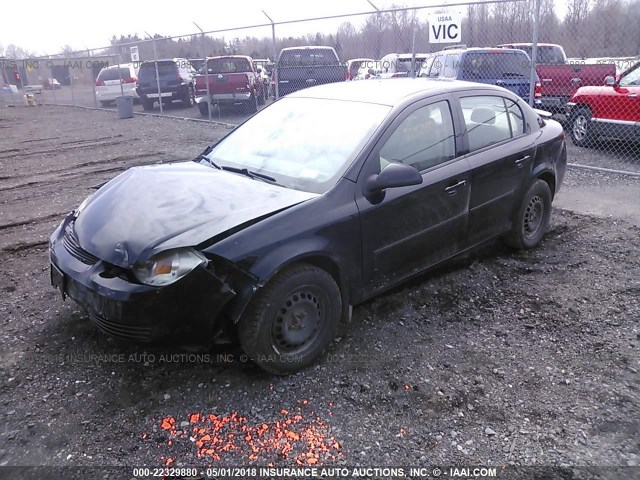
(168, 267)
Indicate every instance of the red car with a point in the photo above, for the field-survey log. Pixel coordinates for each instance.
(561, 77)
(233, 80)
(611, 110)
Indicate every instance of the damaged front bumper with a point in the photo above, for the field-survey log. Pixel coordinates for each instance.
(187, 311)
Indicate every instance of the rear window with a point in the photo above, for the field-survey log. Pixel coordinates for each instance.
(229, 65)
(547, 55)
(311, 56)
(494, 65)
(164, 68)
(112, 74)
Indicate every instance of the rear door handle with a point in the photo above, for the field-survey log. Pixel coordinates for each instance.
(453, 189)
(521, 161)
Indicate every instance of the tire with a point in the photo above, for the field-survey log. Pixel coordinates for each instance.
(203, 108)
(532, 218)
(580, 126)
(251, 106)
(262, 99)
(147, 104)
(187, 100)
(291, 321)
(104, 104)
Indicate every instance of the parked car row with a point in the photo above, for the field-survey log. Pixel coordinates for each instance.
(577, 89)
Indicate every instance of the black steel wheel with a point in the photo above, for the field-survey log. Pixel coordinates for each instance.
(292, 320)
(532, 218)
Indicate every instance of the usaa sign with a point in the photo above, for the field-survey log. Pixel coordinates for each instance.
(445, 28)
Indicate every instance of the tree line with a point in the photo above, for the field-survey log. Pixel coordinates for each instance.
(589, 28)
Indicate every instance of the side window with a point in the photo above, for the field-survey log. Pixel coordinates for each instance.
(437, 67)
(450, 66)
(516, 118)
(426, 66)
(423, 140)
(486, 121)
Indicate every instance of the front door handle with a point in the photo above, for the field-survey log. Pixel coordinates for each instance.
(632, 94)
(521, 161)
(453, 189)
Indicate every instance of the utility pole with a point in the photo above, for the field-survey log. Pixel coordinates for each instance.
(155, 60)
(534, 54)
(206, 69)
(275, 54)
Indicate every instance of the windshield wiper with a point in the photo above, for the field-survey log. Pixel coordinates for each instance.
(203, 156)
(512, 74)
(248, 173)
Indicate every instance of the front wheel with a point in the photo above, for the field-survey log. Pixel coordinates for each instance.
(292, 320)
(580, 125)
(532, 218)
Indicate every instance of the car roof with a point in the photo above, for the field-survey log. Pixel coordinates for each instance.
(481, 49)
(387, 91)
(307, 47)
(410, 55)
(529, 44)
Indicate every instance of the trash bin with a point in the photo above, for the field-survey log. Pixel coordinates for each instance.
(125, 106)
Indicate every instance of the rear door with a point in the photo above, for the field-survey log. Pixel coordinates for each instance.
(407, 229)
(500, 158)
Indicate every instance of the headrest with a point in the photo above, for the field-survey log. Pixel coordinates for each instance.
(483, 115)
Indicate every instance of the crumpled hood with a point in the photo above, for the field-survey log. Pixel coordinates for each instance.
(149, 209)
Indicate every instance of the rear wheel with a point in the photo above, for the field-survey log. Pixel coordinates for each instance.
(203, 108)
(251, 106)
(104, 104)
(147, 104)
(262, 98)
(532, 217)
(292, 320)
(188, 98)
(580, 125)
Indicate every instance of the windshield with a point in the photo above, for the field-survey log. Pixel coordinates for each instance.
(631, 79)
(493, 65)
(303, 143)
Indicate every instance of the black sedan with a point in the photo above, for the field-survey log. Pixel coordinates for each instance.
(329, 196)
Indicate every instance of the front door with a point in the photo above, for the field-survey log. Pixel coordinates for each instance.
(407, 229)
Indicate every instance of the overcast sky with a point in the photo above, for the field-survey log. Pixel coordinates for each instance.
(46, 26)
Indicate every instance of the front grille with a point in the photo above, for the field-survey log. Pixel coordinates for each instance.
(70, 241)
(118, 330)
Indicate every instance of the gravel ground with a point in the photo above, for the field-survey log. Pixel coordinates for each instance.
(526, 358)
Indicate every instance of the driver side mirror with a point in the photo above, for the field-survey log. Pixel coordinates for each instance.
(609, 81)
(392, 176)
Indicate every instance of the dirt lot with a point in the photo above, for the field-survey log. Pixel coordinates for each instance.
(527, 358)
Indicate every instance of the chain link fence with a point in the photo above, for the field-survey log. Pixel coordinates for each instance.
(585, 68)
